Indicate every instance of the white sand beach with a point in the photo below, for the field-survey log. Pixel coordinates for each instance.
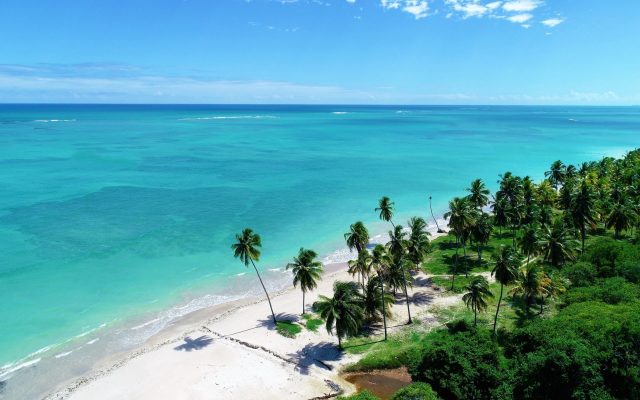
(233, 351)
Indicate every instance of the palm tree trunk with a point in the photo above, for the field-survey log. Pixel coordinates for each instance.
(479, 253)
(455, 265)
(583, 233)
(464, 255)
(384, 308)
(495, 320)
(475, 317)
(406, 296)
(303, 302)
(434, 218)
(339, 342)
(265, 292)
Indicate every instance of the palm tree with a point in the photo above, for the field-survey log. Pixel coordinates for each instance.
(381, 261)
(461, 217)
(361, 266)
(479, 194)
(306, 271)
(385, 209)
(357, 237)
(529, 242)
(622, 217)
(556, 173)
(545, 194)
(499, 208)
(247, 249)
(344, 311)
(553, 285)
(418, 244)
(506, 272)
(557, 245)
(583, 209)
(478, 292)
(529, 285)
(374, 304)
(481, 233)
(434, 218)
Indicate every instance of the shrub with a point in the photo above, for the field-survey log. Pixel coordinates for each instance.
(364, 395)
(462, 365)
(288, 329)
(612, 291)
(581, 273)
(415, 391)
(604, 254)
(630, 270)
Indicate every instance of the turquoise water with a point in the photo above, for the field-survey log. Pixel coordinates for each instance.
(111, 212)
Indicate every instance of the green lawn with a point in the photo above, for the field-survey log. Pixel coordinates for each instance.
(288, 329)
(312, 322)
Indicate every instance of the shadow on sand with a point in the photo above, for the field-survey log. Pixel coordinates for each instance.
(194, 344)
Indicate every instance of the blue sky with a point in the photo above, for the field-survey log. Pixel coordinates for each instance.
(317, 51)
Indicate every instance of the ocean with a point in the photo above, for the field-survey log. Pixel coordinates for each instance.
(115, 220)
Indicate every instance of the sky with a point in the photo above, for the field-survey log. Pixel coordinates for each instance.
(582, 52)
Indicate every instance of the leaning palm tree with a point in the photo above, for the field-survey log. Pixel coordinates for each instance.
(557, 245)
(475, 298)
(529, 285)
(461, 217)
(374, 303)
(381, 261)
(306, 271)
(385, 209)
(247, 249)
(622, 217)
(398, 249)
(344, 311)
(357, 237)
(506, 272)
(478, 194)
(583, 209)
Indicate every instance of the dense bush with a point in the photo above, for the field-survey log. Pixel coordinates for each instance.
(612, 291)
(603, 254)
(462, 365)
(364, 395)
(415, 391)
(581, 273)
(589, 350)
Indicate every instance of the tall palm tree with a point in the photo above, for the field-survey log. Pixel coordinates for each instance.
(481, 233)
(529, 242)
(461, 217)
(418, 244)
(529, 285)
(344, 311)
(306, 271)
(385, 209)
(545, 194)
(499, 208)
(478, 194)
(357, 237)
(374, 303)
(583, 209)
(622, 217)
(247, 249)
(398, 272)
(556, 244)
(475, 298)
(361, 266)
(381, 261)
(556, 173)
(506, 272)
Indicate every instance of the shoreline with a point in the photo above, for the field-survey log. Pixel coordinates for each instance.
(196, 322)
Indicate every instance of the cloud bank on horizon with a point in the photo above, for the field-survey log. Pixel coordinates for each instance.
(320, 51)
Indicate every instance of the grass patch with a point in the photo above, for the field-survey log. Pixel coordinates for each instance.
(288, 329)
(312, 323)
(458, 285)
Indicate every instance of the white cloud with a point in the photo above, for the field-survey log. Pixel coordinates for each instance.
(521, 5)
(419, 9)
(520, 18)
(551, 22)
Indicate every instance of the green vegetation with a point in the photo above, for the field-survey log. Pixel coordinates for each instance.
(564, 246)
(306, 271)
(415, 391)
(364, 395)
(288, 329)
(312, 323)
